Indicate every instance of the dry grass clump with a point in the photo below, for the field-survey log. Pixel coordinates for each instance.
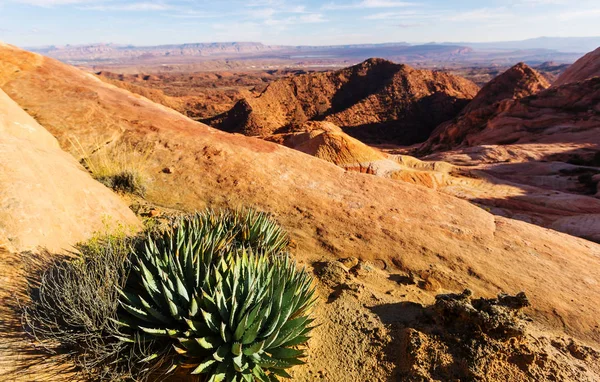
(122, 167)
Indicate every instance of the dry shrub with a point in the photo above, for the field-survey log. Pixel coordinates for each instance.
(74, 308)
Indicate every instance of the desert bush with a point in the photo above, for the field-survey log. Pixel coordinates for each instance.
(215, 294)
(74, 307)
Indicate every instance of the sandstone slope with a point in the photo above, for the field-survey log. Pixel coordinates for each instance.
(46, 198)
(376, 100)
(329, 212)
(586, 67)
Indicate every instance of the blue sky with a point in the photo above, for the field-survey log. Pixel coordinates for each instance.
(297, 22)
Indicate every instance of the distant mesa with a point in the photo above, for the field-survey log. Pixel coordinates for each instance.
(374, 101)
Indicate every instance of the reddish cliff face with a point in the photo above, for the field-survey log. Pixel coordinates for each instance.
(376, 100)
(586, 67)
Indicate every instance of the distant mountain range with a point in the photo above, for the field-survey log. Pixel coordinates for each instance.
(532, 51)
(560, 44)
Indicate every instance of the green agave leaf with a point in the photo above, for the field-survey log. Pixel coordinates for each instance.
(271, 363)
(281, 373)
(130, 298)
(238, 362)
(194, 306)
(190, 344)
(211, 321)
(236, 348)
(225, 333)
(156, 315)
(208, 342)
(182, 290)
(173, 308)
(299, 340)
(179, 350)
(222, 352)
(259, 374)
(282, 353)
(254, 348)
(274, 322)
(208, 303)
(287, 331)
(204, 367)
(239, 331)
(137, 312)
(159, 332)
(150, 282)
(251, 333)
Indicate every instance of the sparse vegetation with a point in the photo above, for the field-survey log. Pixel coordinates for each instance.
(74, 307)
(122, 167)
(215, 294)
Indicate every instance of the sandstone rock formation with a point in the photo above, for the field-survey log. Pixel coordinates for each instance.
(327, 141)
(586, 67)
(376, 100)
(330, 213)
(535, 158)
(46, 198)
(517, 82)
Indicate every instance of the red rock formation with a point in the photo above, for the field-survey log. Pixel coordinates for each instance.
(376, 100)
(327, 141)
(517, 82)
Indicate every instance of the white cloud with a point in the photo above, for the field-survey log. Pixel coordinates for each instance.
(398, 15)
(142, 6)
(480, 15)
(51, 3)
(298, 9)
(545, 2)
(368, 4)
(192, 14)
(262, 13)
(311, 18)
(579, 14)
(264, 3)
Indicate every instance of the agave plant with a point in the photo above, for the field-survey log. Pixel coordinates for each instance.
(227, 301)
